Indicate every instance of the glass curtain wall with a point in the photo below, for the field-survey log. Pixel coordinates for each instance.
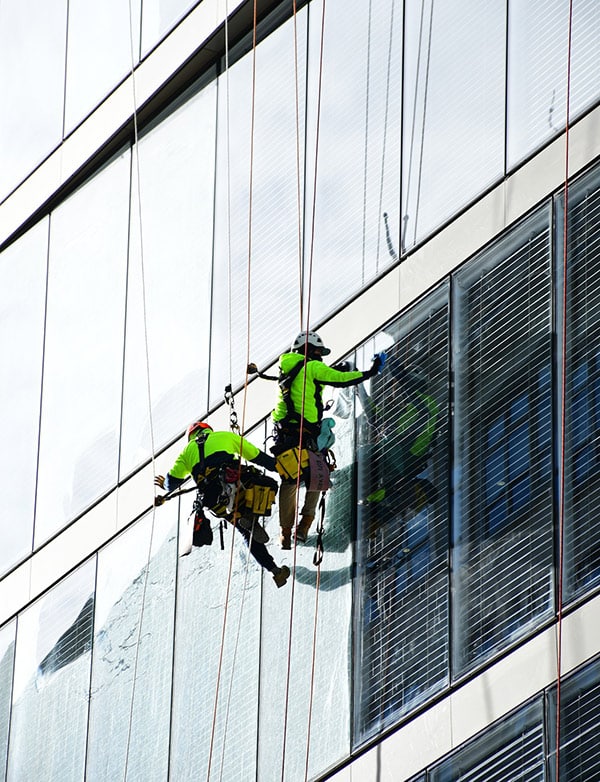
(217, 654)
(453, 103)
(83, 349)
(352, 149)
(7, 662)
(304, 714)
(503, 539)
(539, 70)
(23, 274)
(582, 411)
(33, 39)
(130, 704)
(258, 191)
(52, 682)
(402, 586)
(93, 69)
(169, 279)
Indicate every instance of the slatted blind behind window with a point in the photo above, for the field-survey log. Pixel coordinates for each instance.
(580, 726)
(582, 532)
(503, 528)
(403, 557)
(512, 751)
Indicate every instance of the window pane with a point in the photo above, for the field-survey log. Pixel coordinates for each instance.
(582, 491)
(129, 723)
(538, 69)
(357, 162)
(288, 634)
(159, 16)
(403, 578)
(453, 126)
(218, 619)
(7, 661)
(579, 725)
(93, 68)
(23, 274)
(511, 750)
(169, 285)
(52, 682)
(256, 295)
(503, 533)
(32, 76)
(81, 400)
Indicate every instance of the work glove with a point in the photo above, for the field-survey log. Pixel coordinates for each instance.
(378, 364)
(159, 480)
(159, 500)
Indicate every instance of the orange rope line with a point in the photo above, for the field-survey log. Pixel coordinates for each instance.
(248, 319)
(563, 400)
(301, 432)
(298, 188)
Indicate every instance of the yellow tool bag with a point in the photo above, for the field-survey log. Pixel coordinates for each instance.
(258, 492)
(290, 461)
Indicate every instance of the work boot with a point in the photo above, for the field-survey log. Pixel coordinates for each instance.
(303, 527)
(285, 539)
(281, 575)
(254, 527)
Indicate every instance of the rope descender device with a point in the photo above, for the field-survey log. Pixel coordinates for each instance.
(233, 419)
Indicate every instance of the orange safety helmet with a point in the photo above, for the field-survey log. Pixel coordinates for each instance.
(196, 427)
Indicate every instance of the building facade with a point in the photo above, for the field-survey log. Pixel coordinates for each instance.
(184, 187)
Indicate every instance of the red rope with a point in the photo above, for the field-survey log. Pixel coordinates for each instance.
(563, 401)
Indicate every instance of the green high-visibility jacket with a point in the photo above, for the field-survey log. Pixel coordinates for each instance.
(308, 401)
(218, 448)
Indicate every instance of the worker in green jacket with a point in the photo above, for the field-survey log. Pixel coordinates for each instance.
(207, 457)
(409, 435)
(302, 377)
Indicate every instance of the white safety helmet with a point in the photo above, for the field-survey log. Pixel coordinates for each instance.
(310, 339)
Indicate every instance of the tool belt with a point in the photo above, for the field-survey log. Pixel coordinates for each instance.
(244, 491)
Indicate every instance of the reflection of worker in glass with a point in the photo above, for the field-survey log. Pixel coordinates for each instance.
(407, 440)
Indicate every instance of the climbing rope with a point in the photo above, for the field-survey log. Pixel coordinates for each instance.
(563, 402)
(135, 158)
(413, 127)
(301, 432)
(233, 415)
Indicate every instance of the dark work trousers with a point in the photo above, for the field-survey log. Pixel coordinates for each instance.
(258, 551)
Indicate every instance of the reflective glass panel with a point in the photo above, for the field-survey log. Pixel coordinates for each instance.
(83, 361)
(512, 750)
(582, 459)
(158, 17)
(353, 164)
(52, 681)
(538, 69)
(169, 283)
(93, 68)
(402, 586)
(579, 723)
(32, 80)
(133, 652)
(23, 274)
(503, 526)
(256, 294)
(453, 124)
(7, 661)
(217, 653)
(309, 622)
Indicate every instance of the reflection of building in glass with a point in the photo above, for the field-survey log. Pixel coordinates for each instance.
(156, 230)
